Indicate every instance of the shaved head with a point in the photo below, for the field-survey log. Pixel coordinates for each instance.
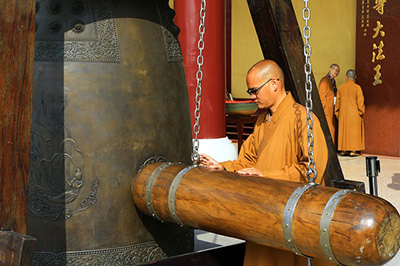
(266, 80)
(334, 65)
(266, 69)
(351, 74)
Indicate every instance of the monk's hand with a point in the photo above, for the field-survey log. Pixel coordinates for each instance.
(250, 171)
(207, 161)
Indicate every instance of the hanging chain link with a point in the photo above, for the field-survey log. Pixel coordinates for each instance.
(312, 171)
(199, 78)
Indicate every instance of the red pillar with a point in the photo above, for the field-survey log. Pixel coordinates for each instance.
(187, 18)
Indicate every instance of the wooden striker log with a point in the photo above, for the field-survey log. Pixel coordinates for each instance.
(345, 227)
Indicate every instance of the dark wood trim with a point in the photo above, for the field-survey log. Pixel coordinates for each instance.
(280, 39)
(17, 38)
(16, 249)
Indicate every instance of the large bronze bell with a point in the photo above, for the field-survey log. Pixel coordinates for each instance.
(109, 97)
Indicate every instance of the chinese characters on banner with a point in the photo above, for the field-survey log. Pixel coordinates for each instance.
(377, 53)
(378, 70)
(377, 6)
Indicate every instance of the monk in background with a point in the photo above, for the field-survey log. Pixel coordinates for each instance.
(327, 93)
(349, 110)
(276, 149)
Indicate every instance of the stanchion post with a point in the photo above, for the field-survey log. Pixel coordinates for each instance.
(373, 168)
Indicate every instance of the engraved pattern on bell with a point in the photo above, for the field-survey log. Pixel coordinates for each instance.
(57, 167)
(94, 39)
(172, 47)
(54, 7)
(155, 159)
(46, 197)
(78, 26)
(123, 256)
(170, 34)
(37, 6)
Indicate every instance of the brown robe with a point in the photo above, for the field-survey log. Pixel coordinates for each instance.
(279, 150)
(327, 95)
(349, 110)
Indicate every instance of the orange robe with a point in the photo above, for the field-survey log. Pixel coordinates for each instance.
(349, 110)
(279, 150)
(327, 95)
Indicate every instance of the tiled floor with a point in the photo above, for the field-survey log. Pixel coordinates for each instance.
(354, 168)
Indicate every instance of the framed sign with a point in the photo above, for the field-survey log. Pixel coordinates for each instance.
(377, 67)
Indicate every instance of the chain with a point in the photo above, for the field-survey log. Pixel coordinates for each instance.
(312, 171)
(199, 78)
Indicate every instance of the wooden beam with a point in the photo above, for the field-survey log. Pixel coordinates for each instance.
(16, 249)
(280, 39)
(17, 33)
(17, 39)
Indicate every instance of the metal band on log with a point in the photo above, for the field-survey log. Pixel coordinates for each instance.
(172, 192)
(288, 217)
(324, 227)
(149, 188)
(349, 227)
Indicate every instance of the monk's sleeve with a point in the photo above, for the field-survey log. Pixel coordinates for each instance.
(337, 105)
(323, 90)
(360, 102)
(247, 156)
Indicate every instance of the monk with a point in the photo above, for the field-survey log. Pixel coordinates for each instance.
(327, 93)
(349, 110)
(276, 149)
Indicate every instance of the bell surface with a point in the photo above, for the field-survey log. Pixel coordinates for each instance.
(109, 98)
